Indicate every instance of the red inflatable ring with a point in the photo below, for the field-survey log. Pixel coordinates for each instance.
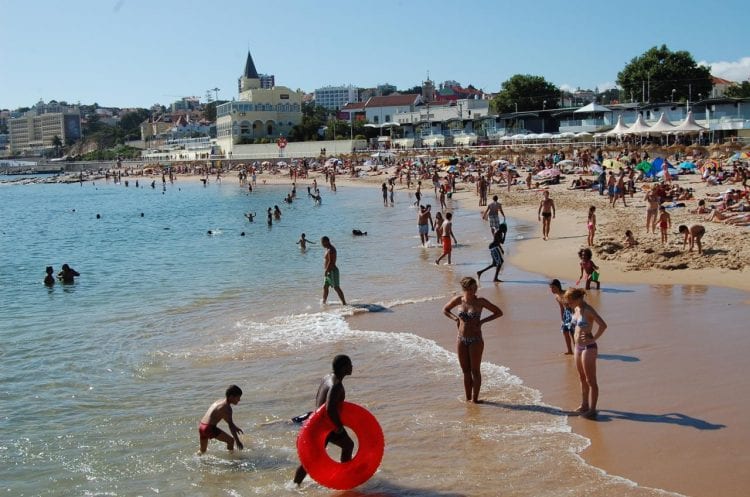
(311, 444)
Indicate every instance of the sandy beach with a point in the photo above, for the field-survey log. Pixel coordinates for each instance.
(672, 368)
(673, 379)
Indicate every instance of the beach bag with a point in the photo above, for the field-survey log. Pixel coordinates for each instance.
(595, 276)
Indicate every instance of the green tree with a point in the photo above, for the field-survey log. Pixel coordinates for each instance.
(130, 123)
(653, 76)
(524, 92)
(739, 91)
(209, 111)
(313, 118)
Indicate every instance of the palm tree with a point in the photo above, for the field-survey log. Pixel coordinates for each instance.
(57, 143)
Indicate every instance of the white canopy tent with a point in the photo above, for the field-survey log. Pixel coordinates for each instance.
(662, 125)
(619, 129)
(639, 127)
(688, 125)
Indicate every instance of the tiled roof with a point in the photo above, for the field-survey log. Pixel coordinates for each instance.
(392, 100)
(353, 106)
(721, 81)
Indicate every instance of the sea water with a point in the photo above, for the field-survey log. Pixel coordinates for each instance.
(103, 382)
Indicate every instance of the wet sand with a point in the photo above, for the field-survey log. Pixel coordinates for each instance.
(673, 374)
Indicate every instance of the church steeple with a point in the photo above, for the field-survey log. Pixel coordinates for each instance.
(249, 79)
(250, 71)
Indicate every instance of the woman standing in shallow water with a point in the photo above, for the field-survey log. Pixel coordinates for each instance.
(469, 343)
(586, 350)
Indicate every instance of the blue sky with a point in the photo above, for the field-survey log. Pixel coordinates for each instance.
(134, 53)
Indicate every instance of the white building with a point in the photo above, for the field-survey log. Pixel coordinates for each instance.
(335, 97)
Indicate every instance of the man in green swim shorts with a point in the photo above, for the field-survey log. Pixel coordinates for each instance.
(331, 272)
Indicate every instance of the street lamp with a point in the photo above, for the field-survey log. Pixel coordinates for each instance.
(544, 106)
(673, 92)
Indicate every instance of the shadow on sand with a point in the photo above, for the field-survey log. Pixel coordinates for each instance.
(618, 357)
(606, 415)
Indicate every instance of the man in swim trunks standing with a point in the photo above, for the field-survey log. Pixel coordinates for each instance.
(424, 223)
(491, 213)
(545, 214)
(221, 410)
(331, 272)
(447, 234)
(331, 393)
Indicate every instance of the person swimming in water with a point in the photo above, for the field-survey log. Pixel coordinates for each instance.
(469, 343)
(302, 242)
(67, 274)
(49, 279)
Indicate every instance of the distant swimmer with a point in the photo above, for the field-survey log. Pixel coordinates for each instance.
(49, 279)
(250, 216)
(316, 196)
(356, 232)
(302, 242)
(221, 410)
(276, 213)
(67, 274)
(270, 217)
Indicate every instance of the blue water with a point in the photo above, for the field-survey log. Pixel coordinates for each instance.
(103, 381)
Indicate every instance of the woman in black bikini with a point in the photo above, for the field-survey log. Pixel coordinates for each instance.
(586, 350)
(469, 343)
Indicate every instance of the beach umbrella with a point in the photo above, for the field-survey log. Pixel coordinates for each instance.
(672, 172)
(452, 169)
(499, 162)
(443, 161)
(547, 174)
(644, 166)
(612, 163)
(687, 165)
(566, 162)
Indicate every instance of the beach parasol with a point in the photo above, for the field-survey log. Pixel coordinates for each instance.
(566, 162)
(644, 166)
(612, 163)
(547, 174)
(500, 162)
(685, 166)
(672, 172)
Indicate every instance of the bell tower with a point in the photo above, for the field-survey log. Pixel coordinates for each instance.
(249, 79)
